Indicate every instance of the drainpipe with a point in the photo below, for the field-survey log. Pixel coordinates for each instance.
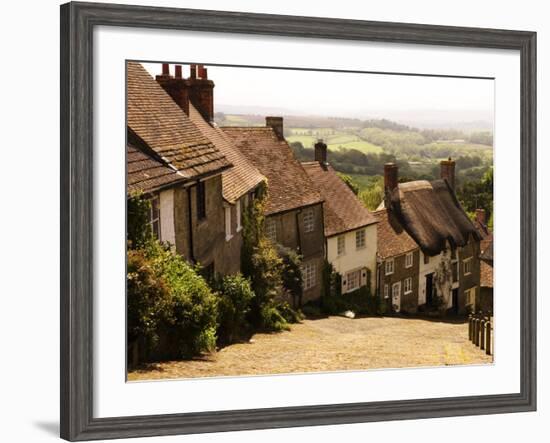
(189, 210)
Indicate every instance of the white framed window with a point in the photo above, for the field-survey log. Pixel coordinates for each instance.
(309, 276)
(386, 291)
(238, 214)
(408, 285)
(467, 266)
(409, 260)
(227, 213)
(271, 229)
(360, 241)
(353, 279)
(341, 247)
(154, 216)
(309, 221)
(389, 266)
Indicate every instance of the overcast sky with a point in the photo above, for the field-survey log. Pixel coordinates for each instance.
(341, 94)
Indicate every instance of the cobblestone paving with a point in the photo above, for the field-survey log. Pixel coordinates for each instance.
(333, 344)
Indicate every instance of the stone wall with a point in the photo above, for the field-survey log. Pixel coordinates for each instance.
(208, 234)
(409, 302)
(473, 279)
(291, 234)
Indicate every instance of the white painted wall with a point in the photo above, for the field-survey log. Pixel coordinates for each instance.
(428, 268)
(167, 227)
(354, 259)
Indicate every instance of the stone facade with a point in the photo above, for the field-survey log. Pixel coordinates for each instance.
(204, 242)
(399, 300)
(290, 232)
(467, 281)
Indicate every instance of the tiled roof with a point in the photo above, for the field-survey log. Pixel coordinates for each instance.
(343, 211)
(289, 187)
(147, 174)
(155, 118)
(432, 215)
(393, 240)
(486, 274)
(243, 176)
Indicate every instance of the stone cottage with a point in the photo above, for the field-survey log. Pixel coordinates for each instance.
(195, 96)
(187, 205)
(350, 228)
(398, 265)
(294, 207)
(449, 267)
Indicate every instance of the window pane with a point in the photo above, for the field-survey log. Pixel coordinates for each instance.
(309, 224)
(341, 245)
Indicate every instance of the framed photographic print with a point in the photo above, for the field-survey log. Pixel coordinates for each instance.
(273, 221)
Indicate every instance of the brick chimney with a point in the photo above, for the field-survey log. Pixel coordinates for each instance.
(276, 123)
(391, 173)
(448, 171)
(197, 89)
(481, 216)
(321, 152)
(176, 87)
(201, 92)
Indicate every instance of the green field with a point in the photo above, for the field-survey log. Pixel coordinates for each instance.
(360, 145)
(333, 139)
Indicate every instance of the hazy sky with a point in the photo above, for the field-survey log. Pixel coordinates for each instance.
(347, 94)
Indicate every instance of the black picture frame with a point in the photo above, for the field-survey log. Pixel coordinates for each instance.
(77, 23)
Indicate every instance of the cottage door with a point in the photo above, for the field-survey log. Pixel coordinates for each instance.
(396, 296)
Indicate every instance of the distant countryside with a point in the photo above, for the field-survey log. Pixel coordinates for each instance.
(359, 149)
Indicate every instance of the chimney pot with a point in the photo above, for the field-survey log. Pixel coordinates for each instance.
(201, 73)
(165, 69)
(448, 171)
(193, 71)
(321, 152)
(178, 71)
(391, 173)
(276, 123)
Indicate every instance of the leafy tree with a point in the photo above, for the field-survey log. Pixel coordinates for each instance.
(349, 182)
(138, 229)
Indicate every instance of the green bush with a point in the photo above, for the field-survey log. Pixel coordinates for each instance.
(272, 320)
(290, 315)
(148, 298)
(291, 273)
(235, 296)
(169, 304)
(194, 305)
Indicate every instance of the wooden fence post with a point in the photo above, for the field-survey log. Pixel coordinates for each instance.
(488, 346)
(482, 324)
(470, 328)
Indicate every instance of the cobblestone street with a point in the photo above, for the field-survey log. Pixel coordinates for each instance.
(334, 344)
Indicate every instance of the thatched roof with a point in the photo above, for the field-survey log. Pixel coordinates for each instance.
(432, 215)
